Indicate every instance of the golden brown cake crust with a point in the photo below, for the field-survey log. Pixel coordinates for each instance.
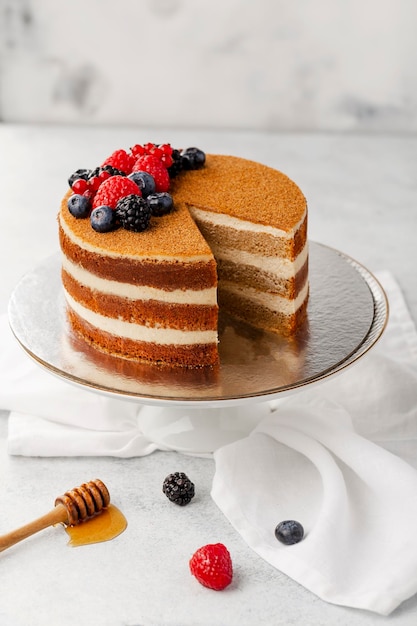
(243, 189)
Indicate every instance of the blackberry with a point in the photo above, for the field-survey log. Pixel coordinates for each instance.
(289, 532)
(177, 165)
(160, 203)
(133, 213)
(178, 488)
(82, 173)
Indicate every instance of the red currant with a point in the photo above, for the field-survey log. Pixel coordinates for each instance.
(80, 185)
(95, 183)
(138, 150)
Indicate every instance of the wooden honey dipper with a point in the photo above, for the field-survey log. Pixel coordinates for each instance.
(75, 506)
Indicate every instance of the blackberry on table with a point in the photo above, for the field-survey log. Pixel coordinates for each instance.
(178, 488)
(133, 213)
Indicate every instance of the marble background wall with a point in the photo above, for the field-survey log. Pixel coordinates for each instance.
(257, 64)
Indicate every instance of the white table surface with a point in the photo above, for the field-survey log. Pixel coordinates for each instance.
(362, 196)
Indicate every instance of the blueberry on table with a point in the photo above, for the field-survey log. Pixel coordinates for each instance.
(289, 532)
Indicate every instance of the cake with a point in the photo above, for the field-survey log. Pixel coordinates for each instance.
(235, 237)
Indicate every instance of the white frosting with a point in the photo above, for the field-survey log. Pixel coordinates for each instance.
(138, 292)
(271, 301)
(137, 332)
(283, 268)
(234, 222)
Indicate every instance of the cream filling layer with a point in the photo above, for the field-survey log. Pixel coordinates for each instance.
(137, 292)
(136, 332)
(197, 258)
(275, 265)
(271, 301)
(234, 222)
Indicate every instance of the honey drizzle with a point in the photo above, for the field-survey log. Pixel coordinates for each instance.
(107, 525)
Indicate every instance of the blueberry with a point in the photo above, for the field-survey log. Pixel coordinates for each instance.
(193, 158)
(79, 206)
(289, 532)
(103, 219)
(160, 203)
(144, 181)
(82, 173)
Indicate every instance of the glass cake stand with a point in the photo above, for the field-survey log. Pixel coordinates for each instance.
(198, 410)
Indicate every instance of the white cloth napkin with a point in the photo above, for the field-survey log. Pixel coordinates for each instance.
(340, 457)
(50, 417)
(325, 457)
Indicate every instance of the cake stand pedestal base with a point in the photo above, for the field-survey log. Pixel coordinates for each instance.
(199, 431)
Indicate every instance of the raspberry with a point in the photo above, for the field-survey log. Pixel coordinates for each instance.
(154, 167)
(121, 160)
(212, 566)
(178, 488)
(114, 188)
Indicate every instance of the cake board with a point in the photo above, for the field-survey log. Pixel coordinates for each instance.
(195, 411)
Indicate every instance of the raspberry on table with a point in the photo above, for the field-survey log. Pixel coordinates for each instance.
(212, 566)
(178, 488)
(113, 189)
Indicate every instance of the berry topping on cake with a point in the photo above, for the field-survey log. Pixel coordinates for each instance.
(144, 171)
(133, 213)
(289, 532)
(212, 566)
(121, 160)
(79, 206)
(144, 181)
(80, 185)
(193, 158)
(178, 488)
(160, 203)
(103, 219)
(154, 166)
(113, 189)
(81, 173)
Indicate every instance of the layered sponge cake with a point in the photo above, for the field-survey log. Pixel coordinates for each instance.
(234, 237)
